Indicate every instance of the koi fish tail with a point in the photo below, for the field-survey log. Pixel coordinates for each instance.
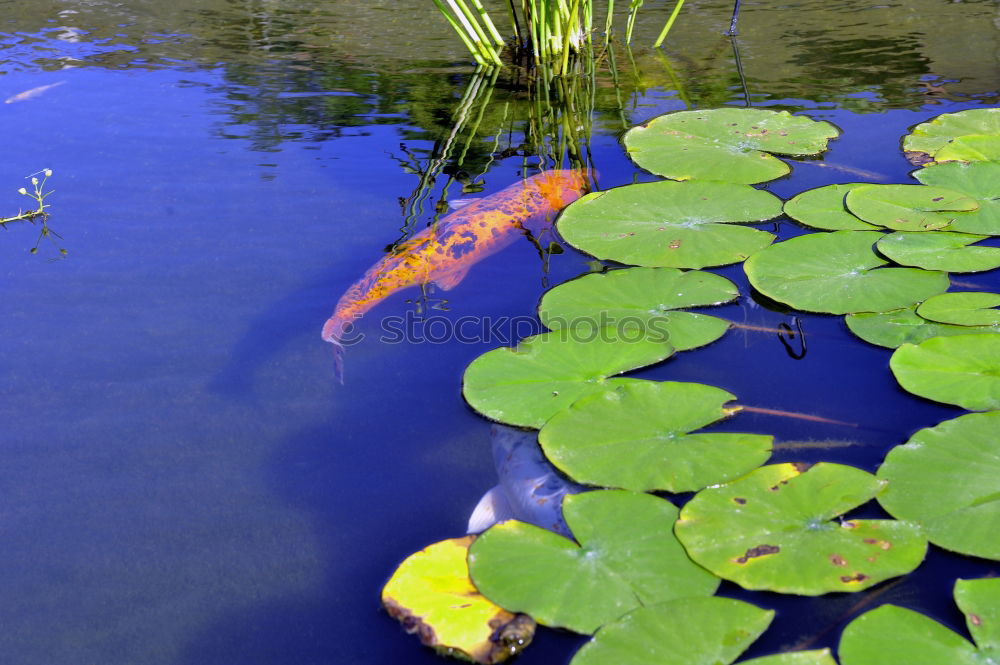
(333, 332)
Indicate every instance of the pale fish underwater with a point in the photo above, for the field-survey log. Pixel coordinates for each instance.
(530, 488)
(444, 252)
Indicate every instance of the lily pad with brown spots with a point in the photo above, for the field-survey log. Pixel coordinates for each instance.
(776, 529)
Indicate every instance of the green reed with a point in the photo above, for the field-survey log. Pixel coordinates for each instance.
(550, 32)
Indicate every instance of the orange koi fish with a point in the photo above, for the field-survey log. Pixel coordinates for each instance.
(443, 253)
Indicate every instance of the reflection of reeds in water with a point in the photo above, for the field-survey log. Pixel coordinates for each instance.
(546, 119)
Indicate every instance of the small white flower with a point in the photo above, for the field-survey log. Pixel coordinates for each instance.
(34, 181)
(47, 172)
(22, 191)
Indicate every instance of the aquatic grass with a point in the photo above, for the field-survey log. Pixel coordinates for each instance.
(551, 32)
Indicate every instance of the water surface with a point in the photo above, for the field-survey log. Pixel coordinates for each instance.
(183, 481)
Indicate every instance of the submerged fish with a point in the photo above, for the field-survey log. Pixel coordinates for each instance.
(444, 252)
(530, 488)
(32, 93)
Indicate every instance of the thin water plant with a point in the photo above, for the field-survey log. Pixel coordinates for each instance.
(39, 212)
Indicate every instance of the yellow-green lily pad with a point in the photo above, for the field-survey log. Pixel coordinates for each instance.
(963, 308)
(939, 250)
(899, 326)
(823, 208)
(431, 595)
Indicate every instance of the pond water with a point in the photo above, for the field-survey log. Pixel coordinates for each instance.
(183, 481)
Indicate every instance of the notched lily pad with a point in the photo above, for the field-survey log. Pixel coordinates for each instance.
(693, 631)
(947, 478)
(838, 273)
(891, 635)
(897, 327)
(670, 224)
(964, 308)
(908, 207)
(929, 137)
(939, 250)
(627, 556)
(641, 299)
(970, 148)
(546, 373)
(962, 370)
(726, 144)
(774, 529)
(638, 437)
(981, 181)
(823, 208)
(431, 595)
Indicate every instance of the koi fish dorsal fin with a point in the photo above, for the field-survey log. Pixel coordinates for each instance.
(450, 280)
(492, 508)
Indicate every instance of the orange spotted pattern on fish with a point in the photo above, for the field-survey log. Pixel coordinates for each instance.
(444, 252)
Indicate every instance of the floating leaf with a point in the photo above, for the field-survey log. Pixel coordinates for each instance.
(979, 600)
(638, 437)
(641, 299)
(939, 250)
(929, 137)
(627, 556)
(823, 208)
(891, 329)
(962, 370)
(838, 273)
(546, 373)
(908, 207)
(814, 657)
(729, 144)
(692, 631)
(432, 595)
(947, 478)
(773, 529)
(670, 224)
(891, 635)
(966, 308)
(981, 181)
(970, 148)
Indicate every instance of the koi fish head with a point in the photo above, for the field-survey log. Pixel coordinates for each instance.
(563, 186)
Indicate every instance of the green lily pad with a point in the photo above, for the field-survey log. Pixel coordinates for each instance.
(981, 181)
(838, 273)
(965, 308)
(693, 631)
(670, 224)
(638, 437)
(908, 207)
(642, 299)
(947, 478)
(774, 529)
(823, 208)
(891, 635)
(962, 370)
(892, 329)
(970, 148)
(627, 556)
(814, 657)
(939, 250)
(979, 601)
(546, 373)
(929, 137)
(727, 144)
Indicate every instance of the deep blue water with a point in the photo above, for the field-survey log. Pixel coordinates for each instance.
(182, 480)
